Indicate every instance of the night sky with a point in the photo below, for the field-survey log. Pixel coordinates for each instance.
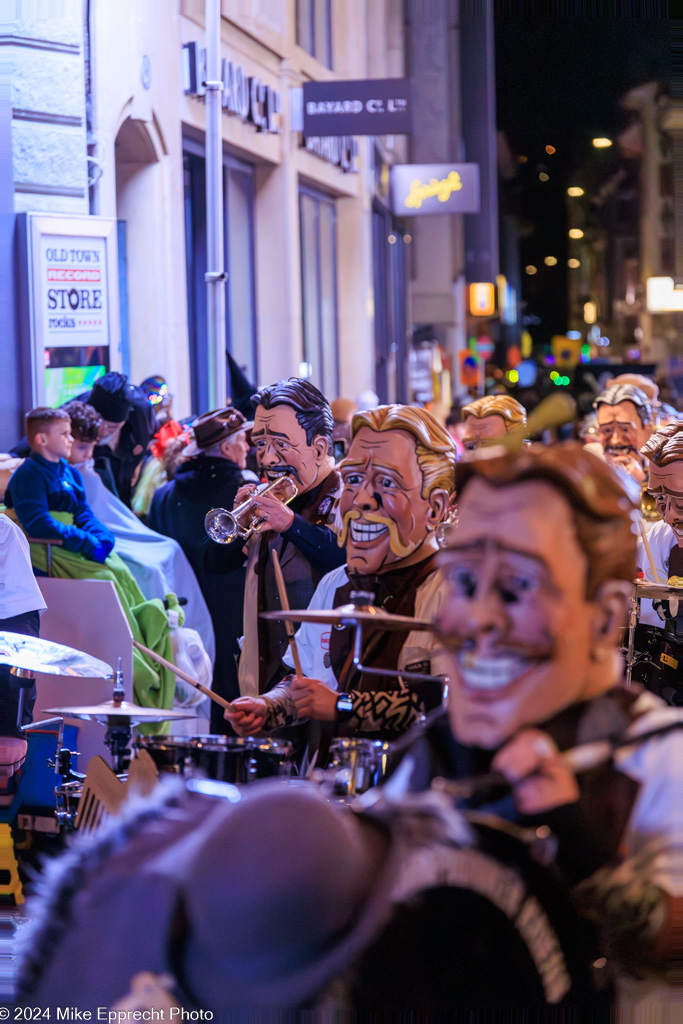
(558, 82)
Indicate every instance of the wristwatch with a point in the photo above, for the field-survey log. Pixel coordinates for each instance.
(344, 707)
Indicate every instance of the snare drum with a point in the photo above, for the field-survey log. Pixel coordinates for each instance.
(223, 758)
(359, 763)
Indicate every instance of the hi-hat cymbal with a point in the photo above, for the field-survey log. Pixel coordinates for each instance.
(350, 615)
(658, 591)
(35, 655)
(109, 709)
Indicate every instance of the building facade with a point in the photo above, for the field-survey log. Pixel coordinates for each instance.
(108, 121)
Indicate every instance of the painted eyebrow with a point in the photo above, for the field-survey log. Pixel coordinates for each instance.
(273, 433)
(505, 548)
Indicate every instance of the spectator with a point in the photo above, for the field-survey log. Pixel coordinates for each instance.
(209, 478)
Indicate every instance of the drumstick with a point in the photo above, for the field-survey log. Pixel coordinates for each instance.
(648, 551)
(282, 591)
(183, 675)
(582, 758)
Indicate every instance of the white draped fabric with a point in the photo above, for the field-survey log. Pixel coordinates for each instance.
(158, 563)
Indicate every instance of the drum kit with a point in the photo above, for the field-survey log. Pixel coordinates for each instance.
(356, 764)
(653, 653)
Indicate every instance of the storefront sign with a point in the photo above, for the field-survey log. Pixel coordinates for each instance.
(374, 106)
(73, 300)
(423, 189)
(341, 151)
(247, 98)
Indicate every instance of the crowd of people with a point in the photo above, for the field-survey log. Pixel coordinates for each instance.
(526, 848)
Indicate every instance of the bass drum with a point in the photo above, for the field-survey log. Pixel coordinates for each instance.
(481, 927)
(222, 758)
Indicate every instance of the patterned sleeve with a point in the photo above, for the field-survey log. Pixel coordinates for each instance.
(384, 710)
(281, 709)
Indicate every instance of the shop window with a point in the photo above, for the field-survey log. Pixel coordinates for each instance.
(319, 289)
(240, 292)
(314, 29)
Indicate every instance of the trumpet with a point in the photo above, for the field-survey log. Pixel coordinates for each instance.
(225, 527)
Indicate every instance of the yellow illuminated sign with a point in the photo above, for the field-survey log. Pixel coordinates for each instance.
(482, 299)
(441, 188)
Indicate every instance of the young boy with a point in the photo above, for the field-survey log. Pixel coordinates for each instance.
(46, 484)
(48, 496)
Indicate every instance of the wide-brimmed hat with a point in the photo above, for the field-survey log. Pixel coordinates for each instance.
(213, 427)
(278, 893)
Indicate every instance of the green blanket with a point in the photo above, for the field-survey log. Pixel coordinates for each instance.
(153, 686)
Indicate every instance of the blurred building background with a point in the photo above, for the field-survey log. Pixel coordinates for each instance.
(104, 117)
(108, 119)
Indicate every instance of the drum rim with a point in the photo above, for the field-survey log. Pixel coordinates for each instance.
(219, 743)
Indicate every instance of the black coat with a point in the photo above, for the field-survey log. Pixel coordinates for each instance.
(178, 510)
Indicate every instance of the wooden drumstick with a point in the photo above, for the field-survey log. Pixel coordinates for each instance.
(183, 675)
(648, 551)
(282, 591)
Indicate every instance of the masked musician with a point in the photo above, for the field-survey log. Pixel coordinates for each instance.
(538, 575)
(624, 425)
(292, 435)
(491, 416)
(396, 482)
(664, 452)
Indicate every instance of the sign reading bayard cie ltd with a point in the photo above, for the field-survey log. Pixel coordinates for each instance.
(423, 189)
(373, 106)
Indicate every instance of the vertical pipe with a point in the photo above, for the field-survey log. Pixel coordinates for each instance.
(215, 268)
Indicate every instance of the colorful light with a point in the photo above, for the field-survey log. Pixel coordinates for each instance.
(512, 376)
(575, 233)
(550, 261)
(554, 375)
(543, 176)
(602, 143)
(575, 191)
(550, 150)
(531, 270)
(573, 263)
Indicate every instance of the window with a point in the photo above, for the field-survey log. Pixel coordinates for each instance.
(319, 288)
(240, 294)
(314, 29)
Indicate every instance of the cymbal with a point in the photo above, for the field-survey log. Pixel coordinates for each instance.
(108, 709)
(36, 655)
(350, 615)
(658, 591)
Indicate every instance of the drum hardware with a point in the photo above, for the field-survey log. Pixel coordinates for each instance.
(357, 765)
(226, 527)
(362, 612)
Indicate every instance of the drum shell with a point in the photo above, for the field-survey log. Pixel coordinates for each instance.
(223, 758)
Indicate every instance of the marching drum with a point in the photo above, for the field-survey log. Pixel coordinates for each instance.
(222, 758)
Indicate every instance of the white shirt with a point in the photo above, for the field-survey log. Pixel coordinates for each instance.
(662, 539)
(19, 591)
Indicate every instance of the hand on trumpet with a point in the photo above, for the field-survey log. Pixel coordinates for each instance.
(314, 699)
(277, 515)
(247, 715)
(244, 492)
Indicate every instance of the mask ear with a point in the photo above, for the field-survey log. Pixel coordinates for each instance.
(611, 605)
(321, 446)
(438, 507)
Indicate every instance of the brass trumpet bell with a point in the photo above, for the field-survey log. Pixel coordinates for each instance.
(226, 527)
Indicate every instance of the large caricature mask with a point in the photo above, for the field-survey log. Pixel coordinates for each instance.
(624, 418)
(531, 616)
(396, 478)
(491, 416)
(665, 453)
(292, 431)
